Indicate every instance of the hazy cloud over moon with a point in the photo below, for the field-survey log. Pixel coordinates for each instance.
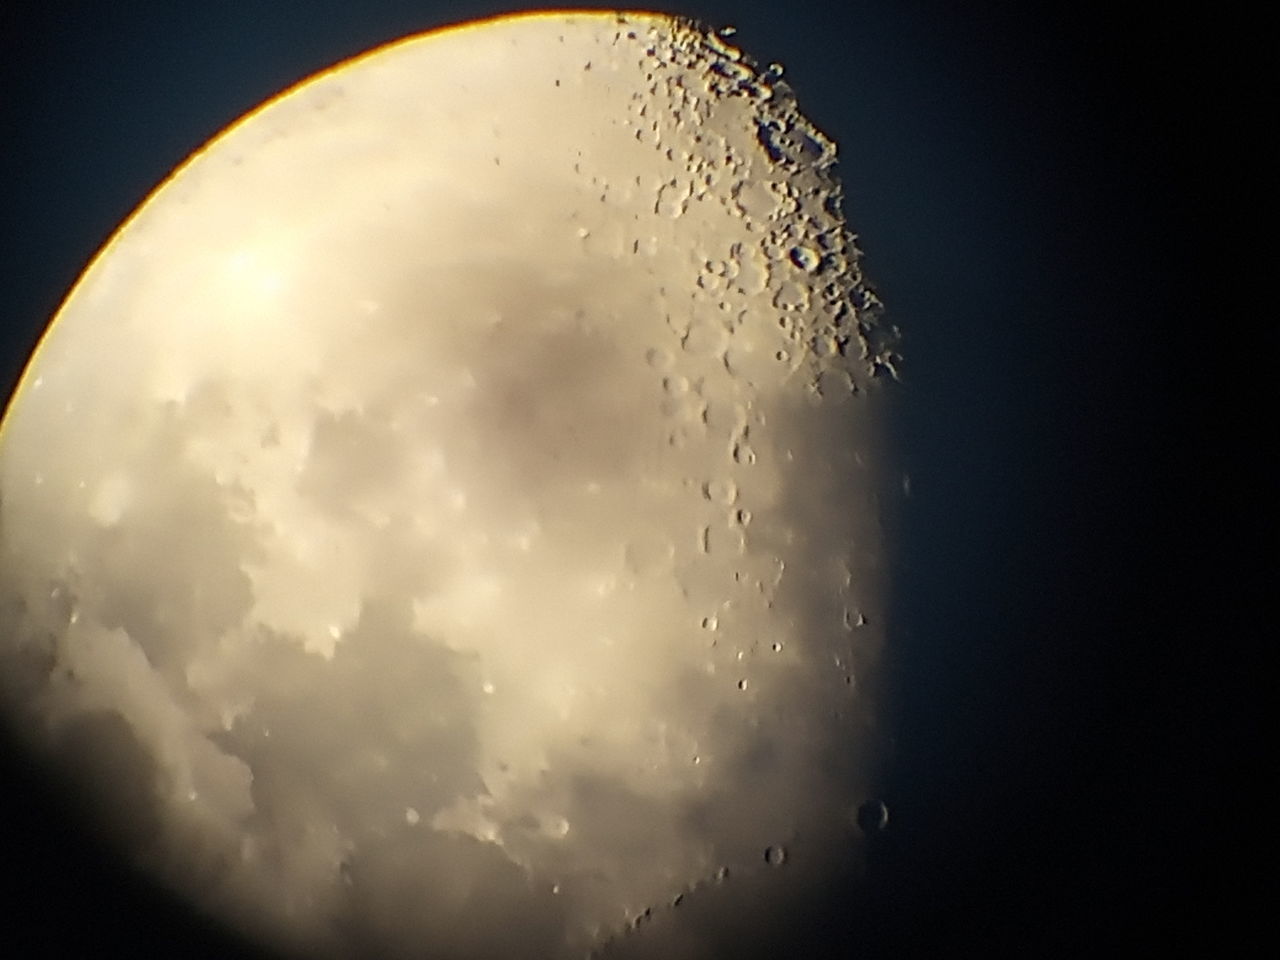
(445, 518)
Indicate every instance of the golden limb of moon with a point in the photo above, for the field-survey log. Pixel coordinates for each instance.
(445, 515)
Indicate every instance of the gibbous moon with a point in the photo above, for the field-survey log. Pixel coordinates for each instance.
(444, 519)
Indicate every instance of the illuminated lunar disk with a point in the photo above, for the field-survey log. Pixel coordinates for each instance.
(446, 511)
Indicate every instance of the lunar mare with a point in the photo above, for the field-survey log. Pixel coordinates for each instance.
(448, 508)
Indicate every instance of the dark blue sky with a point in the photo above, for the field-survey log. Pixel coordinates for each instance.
(1031, 191)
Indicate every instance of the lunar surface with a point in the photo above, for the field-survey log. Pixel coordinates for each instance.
(445, 518)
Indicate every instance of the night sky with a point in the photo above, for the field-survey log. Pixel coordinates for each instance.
(1032, 191)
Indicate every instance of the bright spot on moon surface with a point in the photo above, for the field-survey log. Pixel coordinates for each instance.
(444, 519)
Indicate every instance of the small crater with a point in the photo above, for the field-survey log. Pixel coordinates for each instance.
(872, 816)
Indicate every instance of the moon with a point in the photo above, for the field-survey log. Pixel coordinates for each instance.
(445, 517)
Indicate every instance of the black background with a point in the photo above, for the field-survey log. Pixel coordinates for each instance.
(1048, 198)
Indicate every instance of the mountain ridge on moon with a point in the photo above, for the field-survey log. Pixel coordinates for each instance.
(447, 514)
